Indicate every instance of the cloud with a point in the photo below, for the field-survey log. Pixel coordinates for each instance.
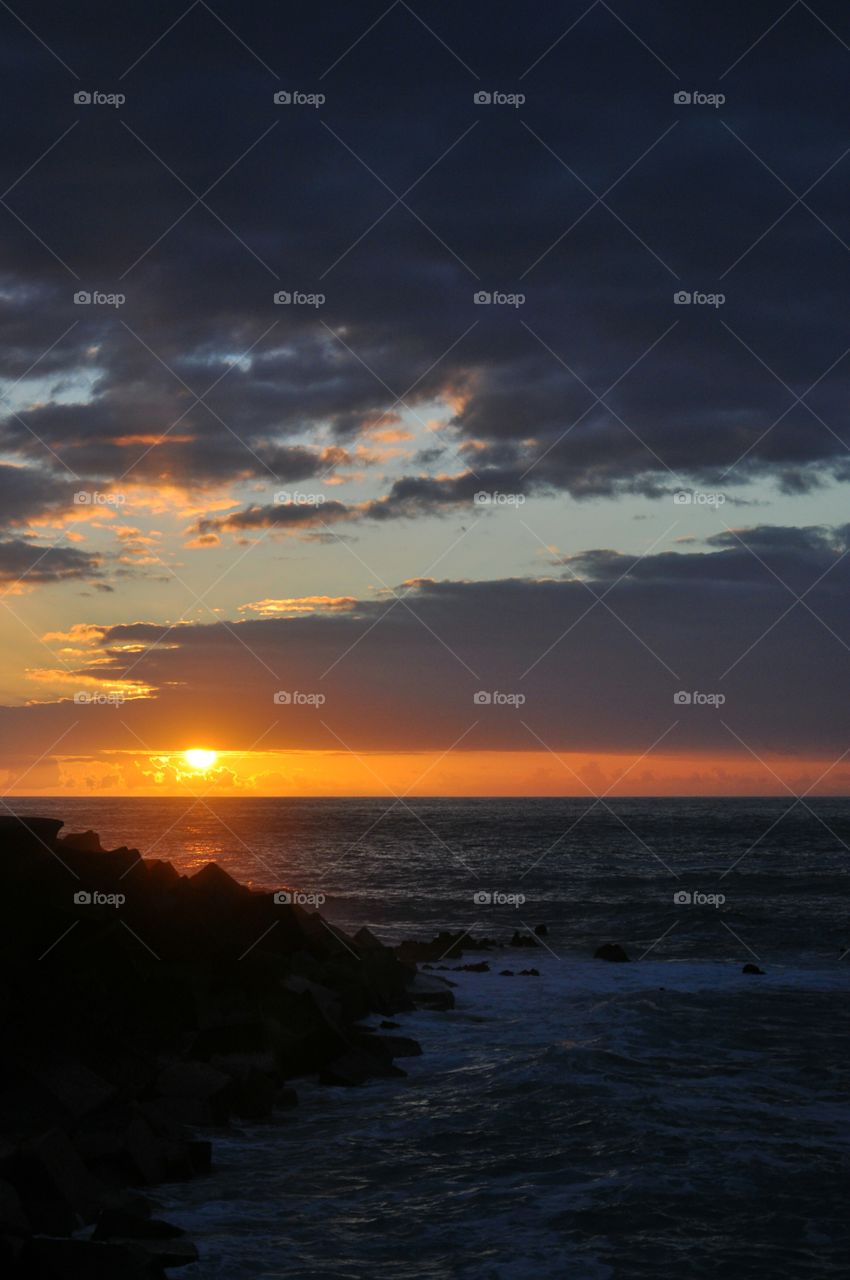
(598, 655)
(500, 199)
(25, 564)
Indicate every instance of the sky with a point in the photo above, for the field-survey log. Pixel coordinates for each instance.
(416, 399)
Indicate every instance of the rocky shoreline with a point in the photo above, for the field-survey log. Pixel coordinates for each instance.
(141, 1005)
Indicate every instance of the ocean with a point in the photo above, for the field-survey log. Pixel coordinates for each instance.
(599, 1121)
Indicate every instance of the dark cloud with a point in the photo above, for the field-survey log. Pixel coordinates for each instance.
(28, 564)
(598, 659)
(509, 206)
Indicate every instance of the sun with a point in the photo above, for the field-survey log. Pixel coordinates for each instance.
(200, 759)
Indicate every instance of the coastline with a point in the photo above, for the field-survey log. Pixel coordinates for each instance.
(143, 1006)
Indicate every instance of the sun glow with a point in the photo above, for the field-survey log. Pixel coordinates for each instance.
(200, 759)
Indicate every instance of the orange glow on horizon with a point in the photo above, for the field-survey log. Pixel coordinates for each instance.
(412, 774)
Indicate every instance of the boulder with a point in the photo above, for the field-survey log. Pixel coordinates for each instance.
(752, 968)
(75, 1087)
(522, 940)
(611, 951)
(28, 833)
(356, 1067)
(86, 1260)
(253, 1095)
(192, 1080)
(121, 1223)
(506, 973)
(431, 993)
(52, 1170)
(81, 842)
(529, 973)
(366, 940)
(13, 1218)
(541, 931)
(481, 967)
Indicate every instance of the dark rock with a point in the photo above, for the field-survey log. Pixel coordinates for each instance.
(366, 940)
(77, 1089)
(431, 993)
(389, 1025)
(192, 1080)
(51, 1170)
(86, 1260)
(82, 842)
(541, 931)
(522, 940)
(611, 951)
(28, 834)
(481, 967)
(355, 1068)
(529, 973)
(143, 1152)
(506, 973)
(122, 1224)
(13, 1218)
(285, 1098)
(393, 1046)
(752, 968)
(199, 1151)
(253, 1095)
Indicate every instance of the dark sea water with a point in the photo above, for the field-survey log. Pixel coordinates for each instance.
(672, 1116)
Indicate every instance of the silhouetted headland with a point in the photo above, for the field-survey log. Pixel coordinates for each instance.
(141, 1004)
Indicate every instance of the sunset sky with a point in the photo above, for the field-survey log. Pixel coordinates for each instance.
(240, 488)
